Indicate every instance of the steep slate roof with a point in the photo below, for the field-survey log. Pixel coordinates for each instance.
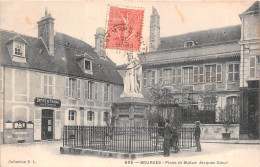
(254, 8)
(64, 62)
(206, 37)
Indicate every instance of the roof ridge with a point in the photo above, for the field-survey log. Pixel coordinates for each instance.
(194, 47)
(73, 38)
(1, 29)
(70, 47)
(211, 29)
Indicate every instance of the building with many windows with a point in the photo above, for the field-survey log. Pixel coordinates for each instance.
(53, 80)
(222, 60)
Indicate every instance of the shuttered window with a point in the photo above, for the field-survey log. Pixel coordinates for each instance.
(252, 67)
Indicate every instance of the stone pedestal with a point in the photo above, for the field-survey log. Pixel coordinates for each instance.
(131, 111)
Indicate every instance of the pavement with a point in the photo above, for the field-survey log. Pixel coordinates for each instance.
(232, 141)
(47, 154)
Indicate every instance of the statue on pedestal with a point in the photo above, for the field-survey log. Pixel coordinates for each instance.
(132, 78)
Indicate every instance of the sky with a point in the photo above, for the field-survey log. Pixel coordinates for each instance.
(81, 19)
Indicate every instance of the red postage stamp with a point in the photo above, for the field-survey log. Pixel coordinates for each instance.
(124, 29)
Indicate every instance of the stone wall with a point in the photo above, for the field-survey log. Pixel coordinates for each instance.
(214, 131)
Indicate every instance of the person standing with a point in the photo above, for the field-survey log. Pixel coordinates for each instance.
(197, 136)
(167, 138)
(175, 139)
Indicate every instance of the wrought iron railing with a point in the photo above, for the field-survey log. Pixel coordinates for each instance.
(122, 139)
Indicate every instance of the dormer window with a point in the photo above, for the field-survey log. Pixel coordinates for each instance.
(85, 62)
(87, 65)
(16, 48)
(19, 49)
(188, 44)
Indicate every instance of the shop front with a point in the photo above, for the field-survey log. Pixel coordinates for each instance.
(47, 122)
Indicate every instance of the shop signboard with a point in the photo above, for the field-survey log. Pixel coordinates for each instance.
(45, 102)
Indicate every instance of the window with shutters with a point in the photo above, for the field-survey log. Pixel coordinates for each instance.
(160, 76)
(72, 89)
(106, 89)
(167, 76)
(210, 73)
(178, 81)
(86, 89)
(48, 85)
(176, 76)
(213, 73)
(96, 91)
(219, 72)
(198, 74)
(233, 72)
(90, 90)
(150, 77)
(252, 69)
(188, 75)
(78, 88)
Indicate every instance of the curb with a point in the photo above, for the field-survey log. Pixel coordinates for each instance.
(232, 142)
(106, 154)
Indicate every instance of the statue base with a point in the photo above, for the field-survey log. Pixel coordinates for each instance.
(131, 111)
(138, 95)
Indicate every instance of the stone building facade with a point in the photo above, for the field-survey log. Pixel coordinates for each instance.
(53, 80)
(250, 72)
(224, 60)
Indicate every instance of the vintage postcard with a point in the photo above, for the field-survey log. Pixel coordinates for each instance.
(129, 83)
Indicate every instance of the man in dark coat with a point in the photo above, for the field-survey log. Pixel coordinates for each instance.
(167, 138)
(197, 136)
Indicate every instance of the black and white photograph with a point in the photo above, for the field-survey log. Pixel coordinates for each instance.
(129, 83)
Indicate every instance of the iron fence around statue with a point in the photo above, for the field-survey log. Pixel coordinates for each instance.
(122, 139)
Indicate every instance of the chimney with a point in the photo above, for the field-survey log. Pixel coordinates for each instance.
(46, 31)
(154, 31)
(99, 42)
